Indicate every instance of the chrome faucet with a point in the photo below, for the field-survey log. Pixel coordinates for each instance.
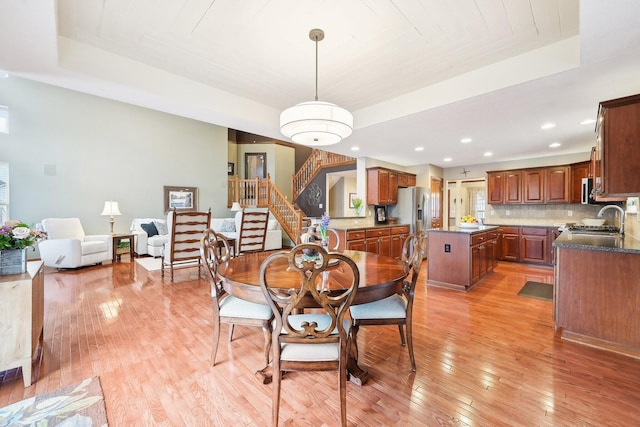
(622, 214)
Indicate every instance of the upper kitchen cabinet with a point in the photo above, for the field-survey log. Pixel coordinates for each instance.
(557, 188)
(617, 155)
(495, 185)
(532, 185)
(513, 187)
(533, 181)
(382, 186)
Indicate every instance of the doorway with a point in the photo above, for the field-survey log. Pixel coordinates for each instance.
(255, 165)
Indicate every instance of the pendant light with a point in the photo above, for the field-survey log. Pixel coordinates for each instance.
(316, 123)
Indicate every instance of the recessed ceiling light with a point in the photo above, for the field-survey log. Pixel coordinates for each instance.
(465, 140)
(354, 148)
(548, 126)
(555, 145)
(446, 159)
(488, 154)
(419, 148)
(587, 121)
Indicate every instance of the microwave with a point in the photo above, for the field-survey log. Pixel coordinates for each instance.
(588, 192)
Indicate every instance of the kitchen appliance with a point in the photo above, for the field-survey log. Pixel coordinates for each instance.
(587, 197)
(410, 208)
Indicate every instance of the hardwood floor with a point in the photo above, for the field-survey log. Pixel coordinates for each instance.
(485, 358)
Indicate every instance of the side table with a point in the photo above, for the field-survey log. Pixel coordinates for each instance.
(122, 244)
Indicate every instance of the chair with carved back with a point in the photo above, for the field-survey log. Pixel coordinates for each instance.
(253, 231)
(317, 340)
(228, 309)
(398, 308)
(183, 247)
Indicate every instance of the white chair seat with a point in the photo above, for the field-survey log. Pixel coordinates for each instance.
(316, 352)
(393, 307)
(235, 307)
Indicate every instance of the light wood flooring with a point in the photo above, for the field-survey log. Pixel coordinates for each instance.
(485, 358)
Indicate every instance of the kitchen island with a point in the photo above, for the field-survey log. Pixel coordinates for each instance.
(459, 258)
(596, 292)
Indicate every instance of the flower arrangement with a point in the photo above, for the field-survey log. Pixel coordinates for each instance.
(18, 235)
(324, 226)
(357, 202)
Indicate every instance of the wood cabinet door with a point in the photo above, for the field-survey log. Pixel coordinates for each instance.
(552, 235)
(533, 249)
(384, 246)
(393, 188)
(372, 245)
(513, 187)
(578, 172)
(403, 180)
(510, 247)
(495, 188)
(356, 245)
(620, 155)
(557, 188)
(533, 185)
(397, 241)
(475, 263)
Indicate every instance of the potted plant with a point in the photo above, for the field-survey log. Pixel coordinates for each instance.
(15, 238)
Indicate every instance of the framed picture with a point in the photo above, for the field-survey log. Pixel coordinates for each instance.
(180, 198)
(352, 197)
(230, 168)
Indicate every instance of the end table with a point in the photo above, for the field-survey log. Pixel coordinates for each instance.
(122, 244)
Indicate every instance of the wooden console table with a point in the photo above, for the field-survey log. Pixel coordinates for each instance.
(22, 319)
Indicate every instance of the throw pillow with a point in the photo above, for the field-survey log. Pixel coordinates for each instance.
(228, 226)
(162, 228)
(150, 229)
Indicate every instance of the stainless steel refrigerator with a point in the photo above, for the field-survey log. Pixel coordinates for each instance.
(410, 208)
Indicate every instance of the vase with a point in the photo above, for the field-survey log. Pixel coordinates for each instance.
(324, 243)
(13, 261)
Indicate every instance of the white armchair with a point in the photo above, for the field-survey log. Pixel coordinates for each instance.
(67, 246)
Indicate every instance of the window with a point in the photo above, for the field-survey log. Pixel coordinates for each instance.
(4, 192)
(4, 119)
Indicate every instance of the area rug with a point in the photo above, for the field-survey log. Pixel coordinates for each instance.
(543, 291)
(149, 263)
(75, 405)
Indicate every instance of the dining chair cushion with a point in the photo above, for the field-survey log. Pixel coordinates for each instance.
(393, 307)
(310, 353)
(236, 307)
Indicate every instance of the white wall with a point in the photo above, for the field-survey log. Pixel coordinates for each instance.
(68, 152)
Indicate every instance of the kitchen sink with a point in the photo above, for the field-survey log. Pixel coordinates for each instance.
(609, 240)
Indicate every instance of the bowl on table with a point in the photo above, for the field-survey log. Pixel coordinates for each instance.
(594, 222)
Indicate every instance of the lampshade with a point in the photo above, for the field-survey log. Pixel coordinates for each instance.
(111, 208)
(316, 123)
(236, 206)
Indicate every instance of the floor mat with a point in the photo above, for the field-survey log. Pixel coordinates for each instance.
(543, 291)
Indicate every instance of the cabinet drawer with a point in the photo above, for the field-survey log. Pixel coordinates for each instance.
(530, 231)
(491, 235)
(479, 238)
(400, 230)
(510, 230)
(378, 232)
(355, 235)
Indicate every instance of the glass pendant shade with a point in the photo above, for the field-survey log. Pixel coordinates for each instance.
(316, 123)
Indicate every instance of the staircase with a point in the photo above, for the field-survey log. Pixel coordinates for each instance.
(263, 193)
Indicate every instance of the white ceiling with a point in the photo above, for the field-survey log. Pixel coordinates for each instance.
(413, 72)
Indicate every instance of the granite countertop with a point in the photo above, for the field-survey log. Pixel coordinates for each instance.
(479, 229)
(531, 223)
(348, 227)
(607, 242)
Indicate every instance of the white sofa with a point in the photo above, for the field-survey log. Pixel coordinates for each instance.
(229, 228)
(145, 245)
(67, 246)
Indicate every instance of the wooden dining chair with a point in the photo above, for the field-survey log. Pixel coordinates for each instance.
(183, 247)
(313, 341)
(253, 231)
(398, 308)
(228, 309)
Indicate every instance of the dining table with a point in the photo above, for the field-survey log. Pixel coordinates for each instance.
(380, 277)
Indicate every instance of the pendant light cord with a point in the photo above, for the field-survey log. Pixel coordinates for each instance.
(316, 39)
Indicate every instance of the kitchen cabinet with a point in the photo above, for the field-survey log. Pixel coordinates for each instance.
(509, 243)
(578, 172)
(406, 180)
(553, 234)
(616, 154)
(378, 240)
(557, 184)
(495, 188)
(460, 260)
(21, 318)
(534, 245)
(398, 235)
(382, 186)
(533, 185)
(513, 187)
(352, 240)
